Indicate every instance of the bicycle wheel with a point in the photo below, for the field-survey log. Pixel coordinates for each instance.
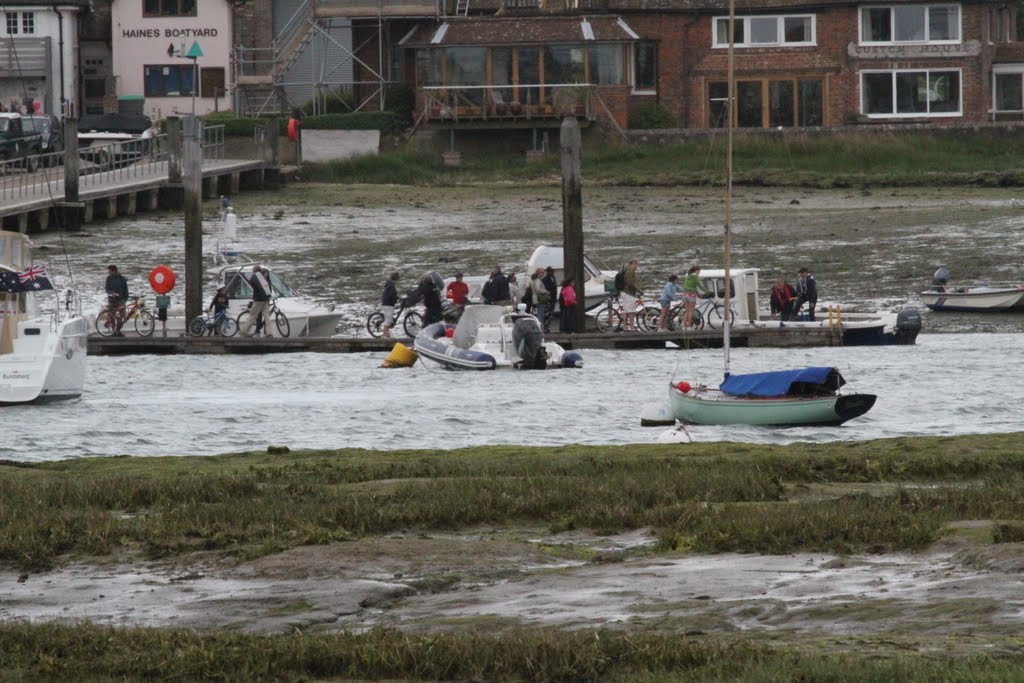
(608, 320)
(106, 323)
(716, 318)
(242, 320)
(647, 318)
(144, 322)
(412, 324)
(197, 328)
(228, 327)
(284, 328)
(375, 324)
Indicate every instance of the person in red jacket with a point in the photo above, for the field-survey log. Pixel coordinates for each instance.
(457, 291)
(783, 299)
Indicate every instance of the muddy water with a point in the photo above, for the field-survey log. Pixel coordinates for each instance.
(868, 249)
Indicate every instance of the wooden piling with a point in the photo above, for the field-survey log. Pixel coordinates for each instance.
(572, 212)
(70, 210)
(192, 182)
(173, 128)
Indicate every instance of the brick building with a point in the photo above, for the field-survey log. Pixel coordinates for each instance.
(797, 64)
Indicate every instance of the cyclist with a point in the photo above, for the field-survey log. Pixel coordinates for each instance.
(691, 285)
(117, 296)
(668, 294)
(387, 302)
(219, 308)
(260, 298)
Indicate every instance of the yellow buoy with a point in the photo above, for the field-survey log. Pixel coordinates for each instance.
(400, 357)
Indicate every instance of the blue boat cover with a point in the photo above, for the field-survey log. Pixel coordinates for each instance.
(804, 381)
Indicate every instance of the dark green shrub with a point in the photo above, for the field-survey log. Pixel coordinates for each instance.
(400, 98)
(650, 116)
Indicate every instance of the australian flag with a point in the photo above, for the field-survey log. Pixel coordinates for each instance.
(34, 279)
(9, 281)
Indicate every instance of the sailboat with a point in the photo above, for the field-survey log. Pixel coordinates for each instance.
(805, 396)
(42, 354)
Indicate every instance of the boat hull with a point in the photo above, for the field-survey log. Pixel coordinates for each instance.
(45, 367)
(432, 342)
(979, 300)
(711, 407)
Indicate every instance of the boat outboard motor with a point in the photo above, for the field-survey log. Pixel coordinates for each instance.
(940, 278)
(908, 324)
(528, 340)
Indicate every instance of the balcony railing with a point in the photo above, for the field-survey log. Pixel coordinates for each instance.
(468, 103)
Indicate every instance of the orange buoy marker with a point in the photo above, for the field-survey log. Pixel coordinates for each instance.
(162, 279)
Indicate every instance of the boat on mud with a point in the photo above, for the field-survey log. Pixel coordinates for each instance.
(977, 298)
(490, 337)
(42, 354)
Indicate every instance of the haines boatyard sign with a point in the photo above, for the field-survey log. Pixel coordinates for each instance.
(169, 33)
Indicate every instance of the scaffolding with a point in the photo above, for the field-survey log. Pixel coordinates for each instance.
(319, 59)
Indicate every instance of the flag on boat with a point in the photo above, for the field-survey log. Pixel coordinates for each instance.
(9, 281)
(35, 279)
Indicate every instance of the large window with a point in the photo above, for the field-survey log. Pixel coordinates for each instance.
(169, 80)
(467, 66)
(766, 31)
(605, 63)
(169, 8)
(910, 93)
(1008, 89)
(428, 67)
(768, 102)
(910, 24)
(645, 66)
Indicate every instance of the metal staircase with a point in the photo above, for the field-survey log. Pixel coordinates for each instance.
(261, 91)
(462, 7)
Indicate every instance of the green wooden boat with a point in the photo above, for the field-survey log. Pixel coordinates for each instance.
(705, 406)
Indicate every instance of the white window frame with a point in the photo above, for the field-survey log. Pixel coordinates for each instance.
(781, 24)
(892, 24)
(911, 115)
(28, 23)
(1005, 70)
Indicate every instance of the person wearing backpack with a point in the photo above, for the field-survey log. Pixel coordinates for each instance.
(632, 293)
(541, 296)
(551, 284)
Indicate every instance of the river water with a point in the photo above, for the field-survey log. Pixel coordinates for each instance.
(203, 405)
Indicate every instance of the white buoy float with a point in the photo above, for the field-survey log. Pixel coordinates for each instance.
(657, 415)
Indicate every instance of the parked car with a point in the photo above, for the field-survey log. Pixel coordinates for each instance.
(17, 143)
(52, 131)
(109, 140)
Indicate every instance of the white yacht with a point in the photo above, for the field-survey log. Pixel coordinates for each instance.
(42, 354)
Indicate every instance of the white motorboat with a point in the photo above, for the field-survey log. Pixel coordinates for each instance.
(42, 354)
(851, 329)
(490, 337)
(979, 298)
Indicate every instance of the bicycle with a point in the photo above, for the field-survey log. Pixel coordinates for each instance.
(284, 328)
(206, 323)
(412, 322)
(610, 317)
(110, 320)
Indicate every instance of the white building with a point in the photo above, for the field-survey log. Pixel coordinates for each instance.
(39, 52)
(150, 41)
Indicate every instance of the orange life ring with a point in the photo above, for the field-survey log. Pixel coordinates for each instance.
(161, 279)
(293, 130)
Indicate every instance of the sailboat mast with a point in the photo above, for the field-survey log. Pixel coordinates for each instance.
(728, 184)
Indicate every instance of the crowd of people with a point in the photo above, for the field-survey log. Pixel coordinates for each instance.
(542, 292)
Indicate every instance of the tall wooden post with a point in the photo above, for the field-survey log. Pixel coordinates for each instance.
(270, 151)
(173, 128)
(71, 208)
(192, 183)
(572, 213)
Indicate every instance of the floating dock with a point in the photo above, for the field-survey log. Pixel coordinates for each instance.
(767, 336)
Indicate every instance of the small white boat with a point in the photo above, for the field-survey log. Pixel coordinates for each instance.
(42, 354)
(978, 298)
(490, 337)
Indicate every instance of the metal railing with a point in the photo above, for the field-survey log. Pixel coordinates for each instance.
(507, 102)
(100, 164)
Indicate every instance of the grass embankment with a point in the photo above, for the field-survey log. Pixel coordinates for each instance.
(840, 160)
(872, 496)
(703, 498)
(59, 652)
